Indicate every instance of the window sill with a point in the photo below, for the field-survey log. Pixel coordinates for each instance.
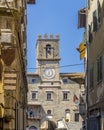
(65, 100)
(34, 99)
(49, 100)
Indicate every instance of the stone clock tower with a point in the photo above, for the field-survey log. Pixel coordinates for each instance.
(51, 93)
(47, 58)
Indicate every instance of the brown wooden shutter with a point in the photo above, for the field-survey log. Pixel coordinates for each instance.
(82, 18)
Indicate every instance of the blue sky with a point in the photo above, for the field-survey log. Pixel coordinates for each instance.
(56, 17)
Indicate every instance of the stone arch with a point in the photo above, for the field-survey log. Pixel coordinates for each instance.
(49, 51)
(49, 112)
(32, 128)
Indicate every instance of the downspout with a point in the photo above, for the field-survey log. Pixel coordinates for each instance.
(87, 51)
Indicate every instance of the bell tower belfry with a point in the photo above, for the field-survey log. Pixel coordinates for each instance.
(47, 57)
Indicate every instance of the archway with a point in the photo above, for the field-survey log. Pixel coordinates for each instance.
(32, 128)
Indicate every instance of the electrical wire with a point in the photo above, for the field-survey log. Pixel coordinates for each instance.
(62, 66)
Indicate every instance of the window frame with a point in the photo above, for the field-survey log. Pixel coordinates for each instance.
(95, 21)
(76, 117)
(49, 51)
(36, 95)
(65, 80)
(49, 96)
(65, 95)
(33, 82)
(49, 112)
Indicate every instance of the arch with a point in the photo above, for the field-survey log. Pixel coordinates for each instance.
(49, 51)
(48, 48)
(67, 110)
(32, 128)
(67, 115)
(49, 112)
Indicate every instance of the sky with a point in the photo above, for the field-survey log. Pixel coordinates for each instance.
(56, 17)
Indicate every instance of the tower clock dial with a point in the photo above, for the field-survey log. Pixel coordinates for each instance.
(48, 73)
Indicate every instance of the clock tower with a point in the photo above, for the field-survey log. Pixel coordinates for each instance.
(47, 57)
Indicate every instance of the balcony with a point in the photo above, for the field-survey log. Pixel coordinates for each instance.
(9, 7)
(82, 109)
(34, 103)
(6, 37)
(8, 3)
(34, 117)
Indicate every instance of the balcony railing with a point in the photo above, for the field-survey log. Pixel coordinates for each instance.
(6, 36)
(37, 117)
(8, 3)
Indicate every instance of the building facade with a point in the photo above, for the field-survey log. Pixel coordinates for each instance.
(53, 96)
(95, 64)
(13, 82)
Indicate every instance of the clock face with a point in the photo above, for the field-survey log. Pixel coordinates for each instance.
(48, 73)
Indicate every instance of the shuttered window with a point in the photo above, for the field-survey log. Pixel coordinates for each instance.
(99, 69)
(95, 21)
(92, 77)
(90, 33)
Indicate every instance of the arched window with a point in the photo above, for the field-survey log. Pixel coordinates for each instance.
(49, 112)
(49, 51)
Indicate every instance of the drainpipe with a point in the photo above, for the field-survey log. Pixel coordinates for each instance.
(87, 46)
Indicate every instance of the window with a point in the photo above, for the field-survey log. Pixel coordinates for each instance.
(34, 95)
(65, 81)
(31, 113)
(49, 96)
(91, 78)
(82, 18)
(33, 81)
(49, 112)
(65, 95)
(99, 69)
(76, 117)
(90, 33)
(99, 11)
(49, 51)
(6, 22)
(95, 24)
